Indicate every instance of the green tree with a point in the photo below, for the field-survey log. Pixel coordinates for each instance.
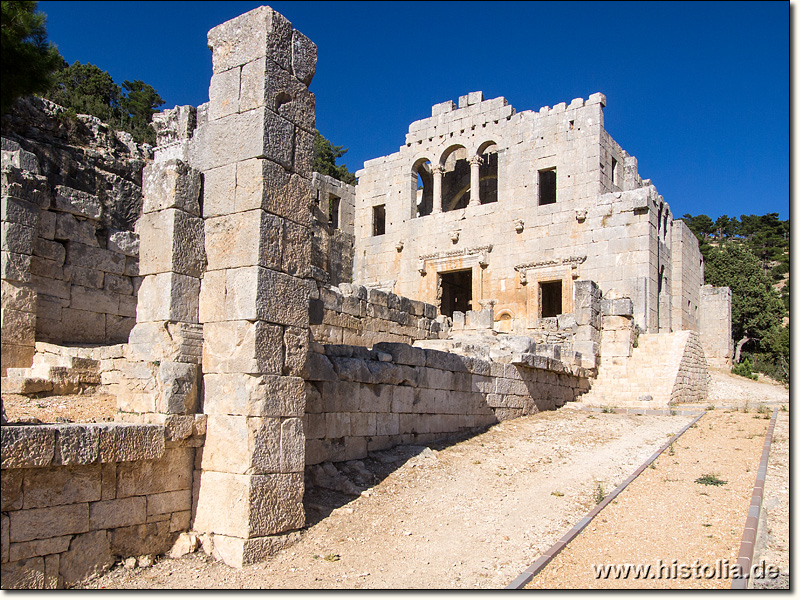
(138, 105)
(757, 307)
(28, 59)
(86, 89)
(325, 155)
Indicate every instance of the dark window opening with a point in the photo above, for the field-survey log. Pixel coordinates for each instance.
(333, 211)
(547, 187)
(551, 298)
(456, 292)
(488, 176)
(455, 180)
(379, 219)
(614, 174)
(424, 188)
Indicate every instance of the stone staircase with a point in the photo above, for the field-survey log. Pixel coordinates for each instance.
(665, 369)
(57, 370)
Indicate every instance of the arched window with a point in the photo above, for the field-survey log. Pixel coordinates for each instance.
(423, 193)
(488, 172)
(455, 179)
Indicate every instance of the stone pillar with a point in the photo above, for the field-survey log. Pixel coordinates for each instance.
(438, 172)
(475, 180)
(24, 193)
(255, 151)
(588, 318)
(161, 378)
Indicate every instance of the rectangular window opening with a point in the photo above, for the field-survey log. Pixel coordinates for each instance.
(333, 210)
(614, 173)
(456, 292)
(547, 187)
(379, 219)
(550, 294)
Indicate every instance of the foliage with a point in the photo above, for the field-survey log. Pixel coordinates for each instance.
(744, 369)
(90, 90)
(28, 59)
(710, 479)
(325, 155)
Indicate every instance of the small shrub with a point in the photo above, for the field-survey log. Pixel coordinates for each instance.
(710, 479)
(599, 492)
(762, 410)
(608, 409)
(557, 494)
(671, 450)
(744, 369)
(710, 407)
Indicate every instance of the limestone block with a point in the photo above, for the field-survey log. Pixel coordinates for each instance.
(89, 554)
(169, 502)
(23, 550)
(254, 395)
(224, 93)
(42, 523)
(238, 444)
(18, 296)
(168, 297)
(171, 184)
(26, 446)
(124, 242)
(15, 356)
(15, 267)
(83, 326)
(124, 443)
(89, 278)
(320, 368)
(122, 512)
(146, 538)
(260, 32)
(243, 347)
(76, 445)
(15, 210)
(94, 300)
(70, 228)
(296, 250)
(131, 266)
(264, 83)
(95, 258)
(304, 57)
(17, 238)
(244, 239)
(50, 250)
(118, 284)
(171, 240)
(178, 383)
(257, 133)
(163, 340)
(49, 269)
(239, 552)
(180, 521)
(78, 203)
(11, 490)
(171, 472)
(46, 226)
(24, 575)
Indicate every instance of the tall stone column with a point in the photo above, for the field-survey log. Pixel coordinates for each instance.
(475, 162)
(255, 152)
(438, 172)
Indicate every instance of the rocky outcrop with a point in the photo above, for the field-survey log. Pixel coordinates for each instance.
(82, 153)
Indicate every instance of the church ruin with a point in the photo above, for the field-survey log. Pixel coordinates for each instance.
(498, 264)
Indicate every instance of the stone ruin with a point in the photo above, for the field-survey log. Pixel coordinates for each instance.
(254, 355)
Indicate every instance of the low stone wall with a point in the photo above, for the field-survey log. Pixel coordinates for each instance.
(75, 497)
(359, 316)
(360, 400)
(691, 381)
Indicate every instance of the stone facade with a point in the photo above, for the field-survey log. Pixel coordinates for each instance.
(332, 240)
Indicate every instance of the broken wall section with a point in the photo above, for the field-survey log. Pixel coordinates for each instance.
(714, 324)
(333, 212)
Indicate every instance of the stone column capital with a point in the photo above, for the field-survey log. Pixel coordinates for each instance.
(475, 160)
(438, 170)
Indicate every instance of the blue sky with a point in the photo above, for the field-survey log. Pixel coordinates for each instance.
(698, 92)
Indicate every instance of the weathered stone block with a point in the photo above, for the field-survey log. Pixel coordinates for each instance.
(17, 238)
(304, 57)
(244, 239)
(15, 267)
(171, 184)
(24, 575)
(124, 242)
(14, 355)
(89, 554)
(18, 296)
(178, 385)
(42, 523)
(171, 472)
(296, 250)
(254, 395)
(23, 550)
(94, 300)
(125, 443)
(76, 444)
(46, 226)
(238, 444)
(260, 32)
(122, 512)
(264, 83)
(26, 446)
(171, 240)
(71, 229)
(239, 552)
(77, 203)
(15, 210)
(147, 538)
(97, 259)
(243, 347)
(249, 506)
(11, 490)
(168, 297)
(169, 502)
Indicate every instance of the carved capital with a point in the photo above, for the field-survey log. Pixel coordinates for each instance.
(438, 170)
(475, 160)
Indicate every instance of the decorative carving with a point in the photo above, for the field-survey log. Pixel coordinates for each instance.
(483, 259)
(573, 261)
(580, 214)
(174, 124)
(438, 169)
(475, 160)
(519, 225)
(462, 252)
(454, 235)
(523, 277)
(399, 245)
(421, 267)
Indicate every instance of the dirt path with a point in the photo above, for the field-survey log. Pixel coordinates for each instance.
(667, 514)
(469, 516)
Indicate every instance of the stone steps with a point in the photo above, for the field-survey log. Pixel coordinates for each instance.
(55, 369)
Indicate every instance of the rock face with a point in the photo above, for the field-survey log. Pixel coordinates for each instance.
(83, 154)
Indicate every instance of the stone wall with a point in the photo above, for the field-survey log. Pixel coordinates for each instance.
(691, 381)
(358, 316)
(360, 400)
(77, 497)
(714, 324)
(332, 230)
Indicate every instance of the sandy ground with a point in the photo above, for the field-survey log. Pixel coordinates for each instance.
(668, 515)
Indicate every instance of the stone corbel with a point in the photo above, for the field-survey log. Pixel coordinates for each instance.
(483, 259)
(580, 214)
(523, 278)
(519, 225)
(421, 267)
(399, 245)
(454, 235)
